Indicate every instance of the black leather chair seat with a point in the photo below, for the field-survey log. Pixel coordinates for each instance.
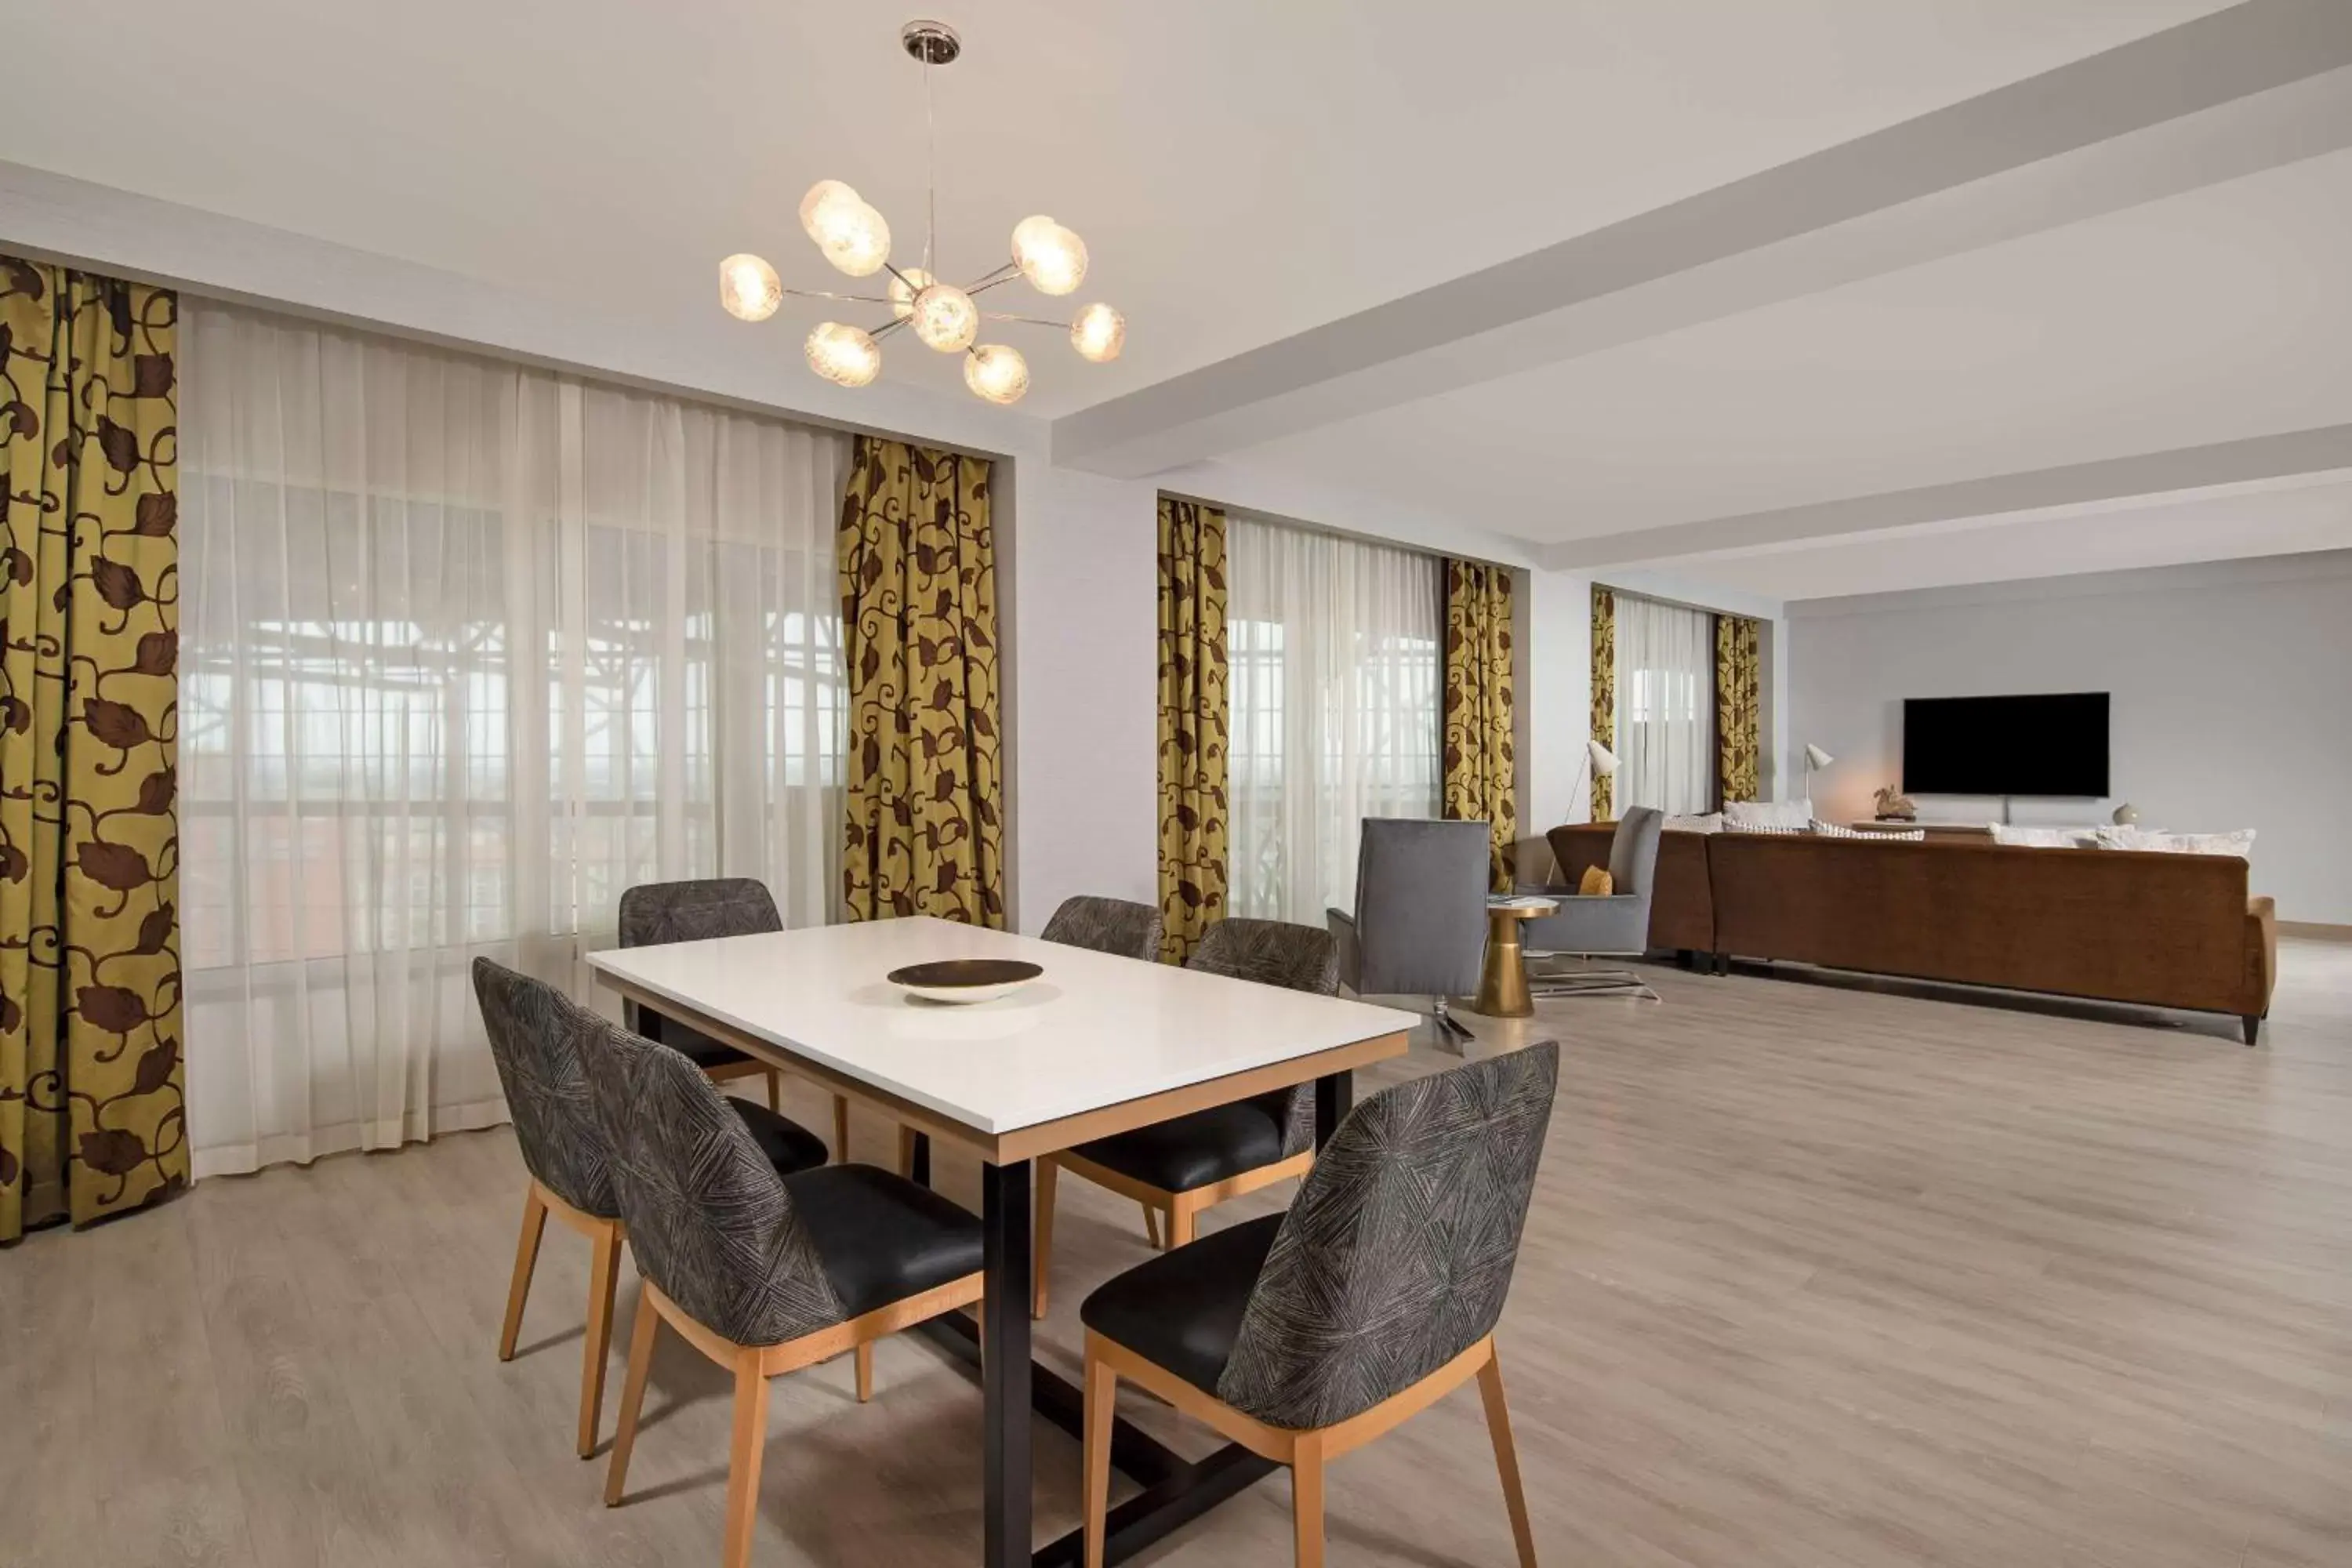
(881, 1237)
(1194, 1150)
(789, 1146)
(1182, 1310)
(694, 1045)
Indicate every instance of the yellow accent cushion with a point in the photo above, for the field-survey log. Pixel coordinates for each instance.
(1597, 884)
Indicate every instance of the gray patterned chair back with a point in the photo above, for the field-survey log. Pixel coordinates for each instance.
(1397, 1254)
(655, 914)
(1107, 925)
(1271, 953)
(1275, 953)
(535, 1033)
(709, 1221)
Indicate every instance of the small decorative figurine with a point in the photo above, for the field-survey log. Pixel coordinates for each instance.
(1894, 807)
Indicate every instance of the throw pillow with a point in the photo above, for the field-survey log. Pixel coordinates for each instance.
(2241, 843)
(1777, 829)
(1597, 883)
(1839, 830)
(2044, 838)
(1794, 814)
(1709, 822)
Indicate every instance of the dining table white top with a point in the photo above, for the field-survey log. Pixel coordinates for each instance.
(1093, 1031)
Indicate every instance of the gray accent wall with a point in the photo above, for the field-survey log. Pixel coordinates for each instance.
(2230, 700)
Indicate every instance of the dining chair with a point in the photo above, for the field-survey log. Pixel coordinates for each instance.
(654, 913)
(1118, 926)
(535, 1040)
(1303, 1335)
(1419, 927)
(1181, 1167)
(762, 1273)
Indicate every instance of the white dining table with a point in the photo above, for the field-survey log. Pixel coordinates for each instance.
(1096, 1044)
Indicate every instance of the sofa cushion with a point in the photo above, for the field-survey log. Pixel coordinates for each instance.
(1796, 814)
(1889, 835)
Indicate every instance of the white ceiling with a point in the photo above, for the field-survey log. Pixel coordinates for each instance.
(2207, 317)
(1244, 171)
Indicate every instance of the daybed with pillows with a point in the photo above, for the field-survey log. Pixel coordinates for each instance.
(2138, 919)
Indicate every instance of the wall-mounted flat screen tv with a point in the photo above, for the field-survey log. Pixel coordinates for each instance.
(2041, 745)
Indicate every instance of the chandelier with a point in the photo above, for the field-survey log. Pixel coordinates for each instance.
(943, 315)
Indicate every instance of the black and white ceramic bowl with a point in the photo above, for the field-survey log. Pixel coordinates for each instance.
(965, 980)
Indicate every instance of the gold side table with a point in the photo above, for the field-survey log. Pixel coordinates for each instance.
(1502, 979)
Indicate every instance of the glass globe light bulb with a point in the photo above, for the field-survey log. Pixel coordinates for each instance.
(904, 287)
(945, 317)
(749, 288)
(847, 357)
(851, 234)
(1098, 333)
(997, 373)
(1053, 258)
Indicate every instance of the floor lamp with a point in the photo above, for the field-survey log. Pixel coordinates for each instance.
(1814, 758)
(1600, 763)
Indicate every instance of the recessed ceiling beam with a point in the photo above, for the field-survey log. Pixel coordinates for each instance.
(2256, 458)
(2259, 84)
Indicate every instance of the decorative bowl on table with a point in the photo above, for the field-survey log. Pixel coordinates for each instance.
(965, 980)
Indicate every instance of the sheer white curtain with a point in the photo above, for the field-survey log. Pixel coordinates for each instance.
(1666, 706)
(1333, 646)
(470, 649)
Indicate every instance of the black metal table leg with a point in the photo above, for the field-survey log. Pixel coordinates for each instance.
(919, 1162)
(1334, 1093)
(1006, 1368)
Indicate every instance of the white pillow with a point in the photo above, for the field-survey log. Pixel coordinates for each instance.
(1839, 830)
(1710, 822)
(1768, 814)
(2043, 837)
(1779, 829)
(2240, 842)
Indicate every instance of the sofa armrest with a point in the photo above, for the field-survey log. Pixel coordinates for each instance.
(2261, 950)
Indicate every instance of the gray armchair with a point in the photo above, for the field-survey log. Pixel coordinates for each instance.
(1616, 925)
(1420, 925)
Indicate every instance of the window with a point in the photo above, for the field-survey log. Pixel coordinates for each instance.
(1666, 706)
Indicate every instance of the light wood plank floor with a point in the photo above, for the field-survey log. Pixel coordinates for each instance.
(1817, 1276)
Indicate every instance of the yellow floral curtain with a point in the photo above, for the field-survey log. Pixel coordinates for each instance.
(926, 788)
(1739, 726)
(1481, 783)
(1194, 715)
(91, 1113)
(1605, 694)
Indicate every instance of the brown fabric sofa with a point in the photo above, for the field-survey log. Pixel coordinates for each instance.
(2158, 930)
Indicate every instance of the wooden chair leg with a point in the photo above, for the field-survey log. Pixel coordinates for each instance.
(1507, 1458)
(1043, 1242)
(775, 1090)
(1102, 1395)
(841, 1129)
(603, 1274)
(534, 1226)
(1151, 1226)
(743, 1456)
(1183, 1222)
(1307, 1500)
(865, 1358)
(633, 1398)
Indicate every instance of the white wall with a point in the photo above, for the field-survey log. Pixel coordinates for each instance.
(2228, 699)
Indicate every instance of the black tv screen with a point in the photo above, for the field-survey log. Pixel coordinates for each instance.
(2053, 745)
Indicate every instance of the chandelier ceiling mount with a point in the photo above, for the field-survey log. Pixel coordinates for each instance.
(943, 315)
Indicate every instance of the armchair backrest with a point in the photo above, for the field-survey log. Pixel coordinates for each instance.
(1633, 852)
(1397, 1254)
(1421, 906)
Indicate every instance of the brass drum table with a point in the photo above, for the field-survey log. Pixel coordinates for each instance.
(1503, 980)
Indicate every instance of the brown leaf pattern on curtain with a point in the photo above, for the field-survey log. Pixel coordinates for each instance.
(1604, 695)
(926, 791)
(1481, 768)
(1194, 714)
(1739, 723)
(91, 1113)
